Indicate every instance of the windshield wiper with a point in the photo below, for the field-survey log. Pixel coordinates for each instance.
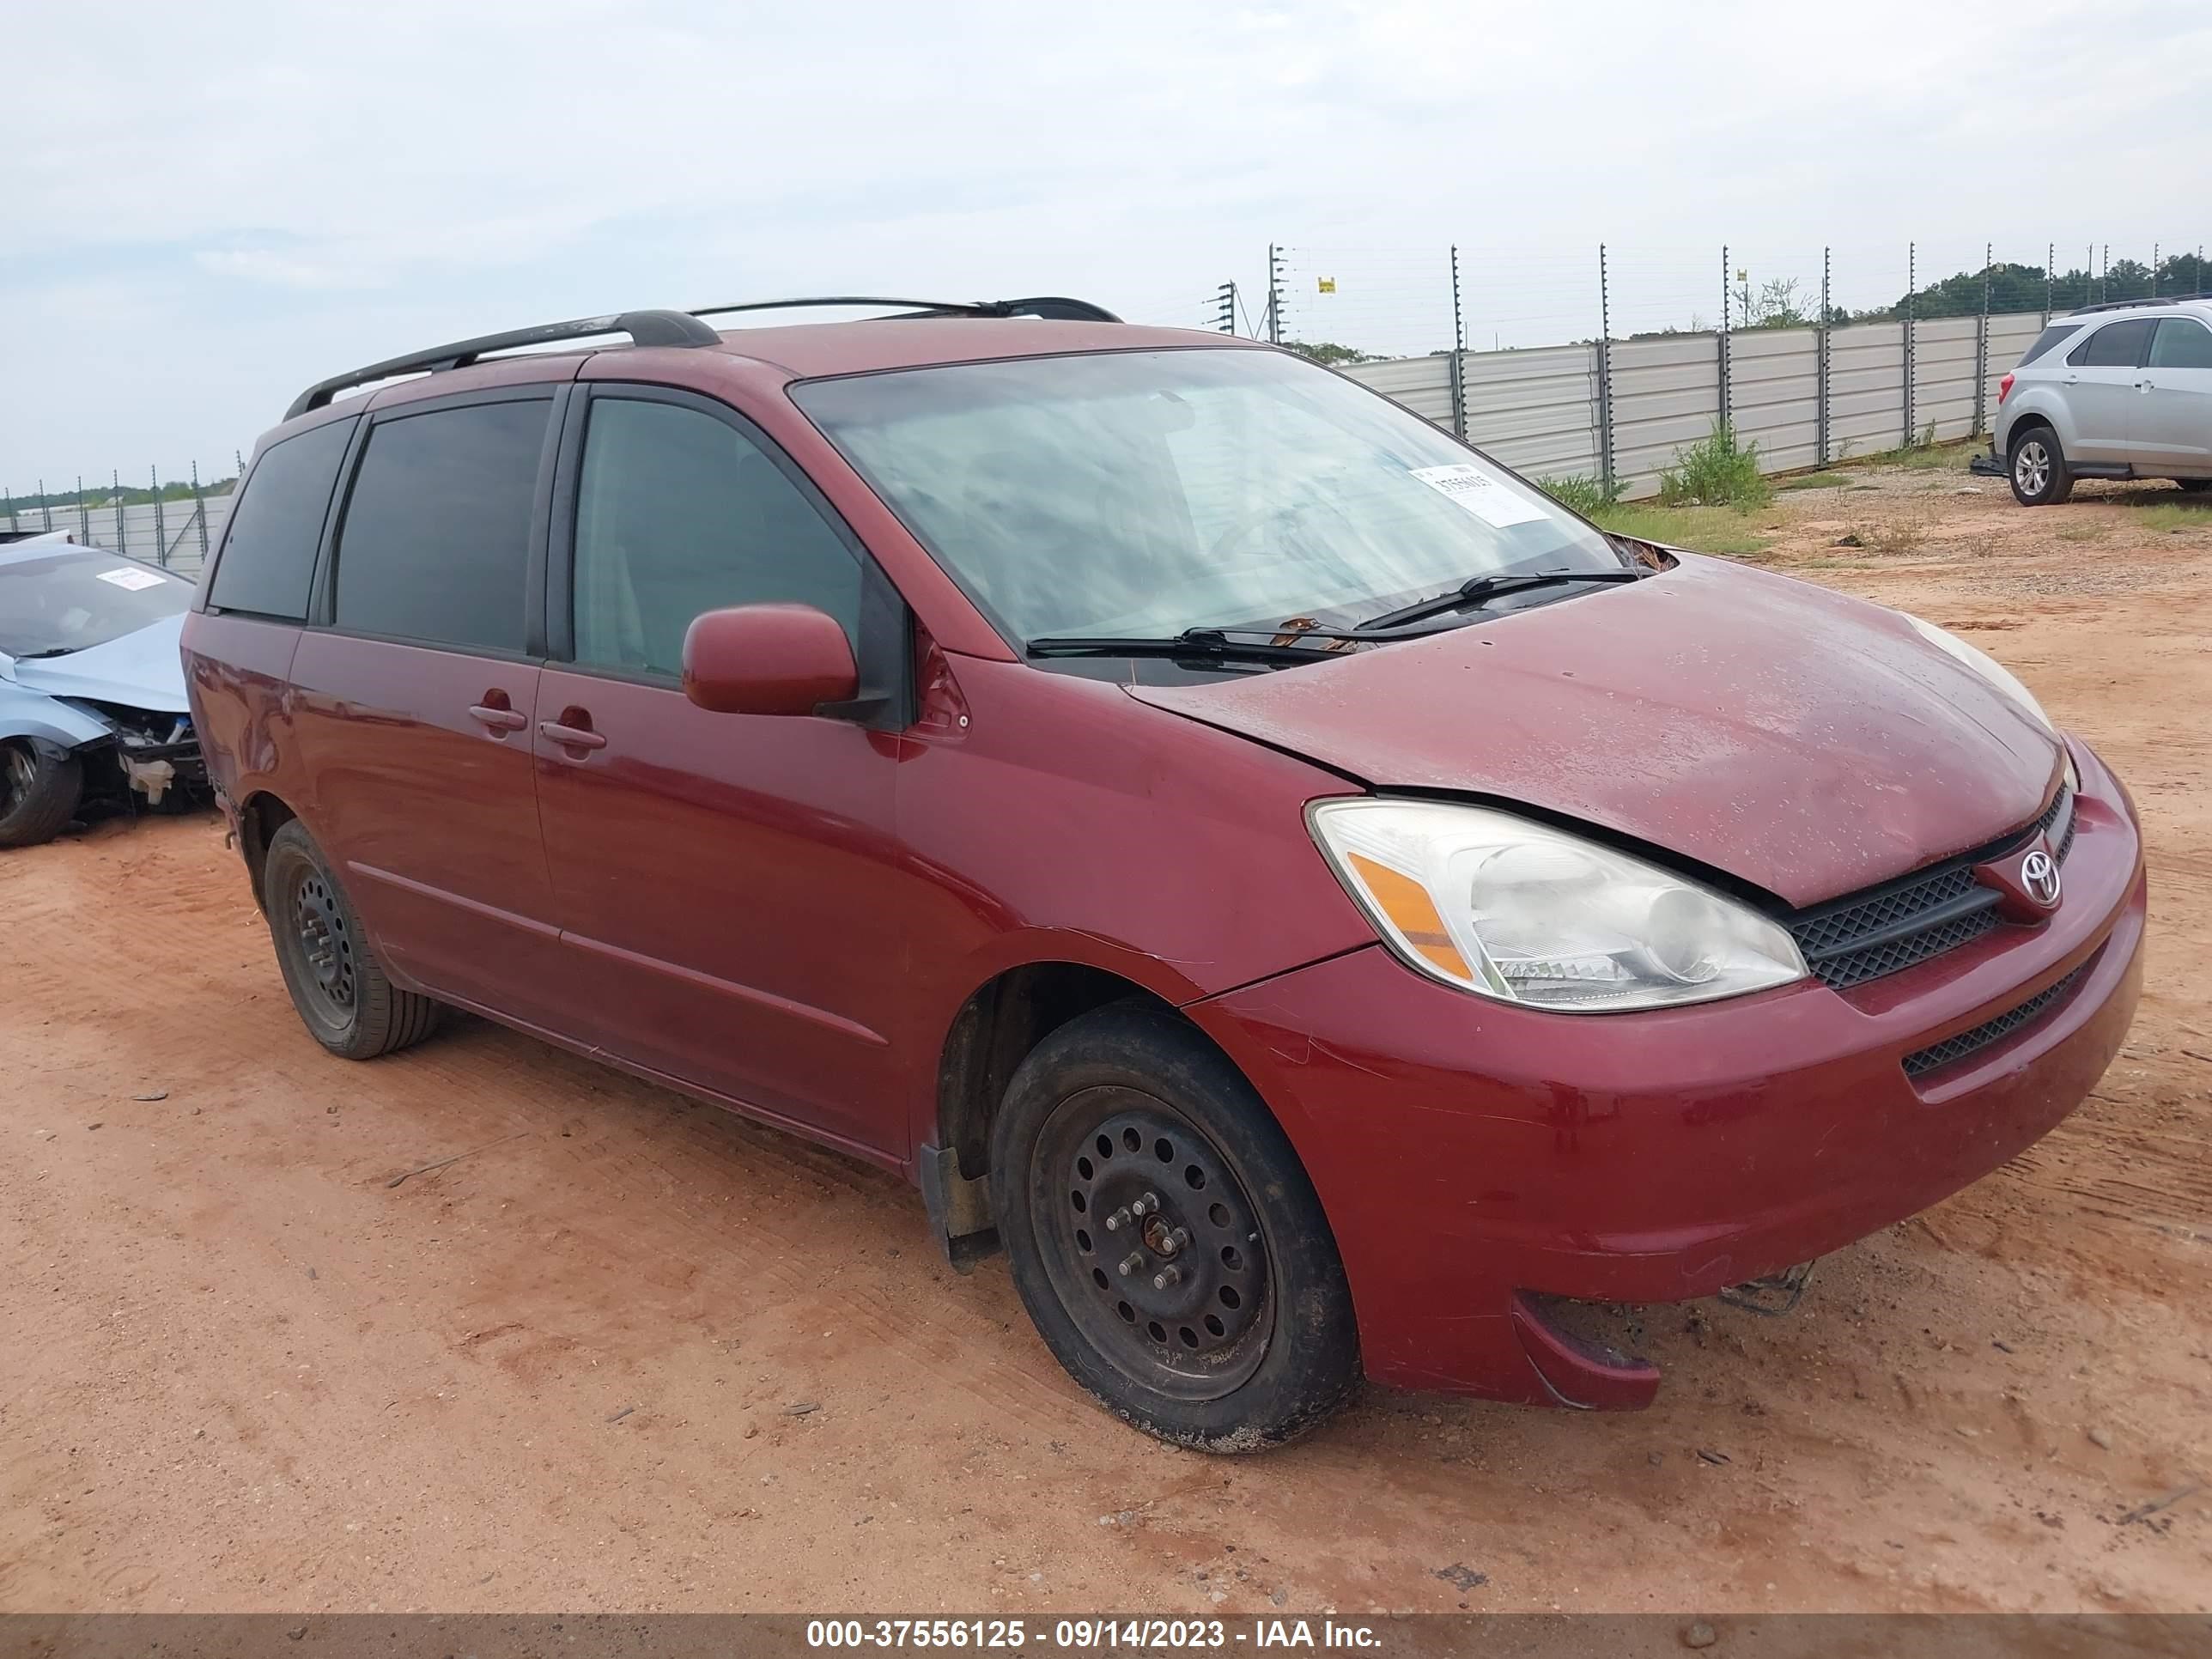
(1475, 589)
(1192, 643)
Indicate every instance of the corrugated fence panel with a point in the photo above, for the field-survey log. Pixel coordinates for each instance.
(1943, 352)
(1536, 411)
(1422, 384)
(2009, 337)
(1774, 395)
(1866, 389)
(172, 537)
(1536, 408)
(1666, 394)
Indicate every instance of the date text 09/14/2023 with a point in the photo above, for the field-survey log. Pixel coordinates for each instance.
(1013, 1635)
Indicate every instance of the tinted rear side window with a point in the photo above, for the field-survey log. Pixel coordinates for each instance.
(2050, 338)
(2181, 343)
(2116, 345)
(436, 541)
(267, 559)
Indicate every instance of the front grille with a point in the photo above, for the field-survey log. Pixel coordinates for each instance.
(1923, 1061)
(1850, 940)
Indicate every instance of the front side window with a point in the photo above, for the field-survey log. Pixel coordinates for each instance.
(54, 604)
(1141, 493)
(679, 513)
(2116, 345)
(435, 545)
(267, 559)
(2181, 343)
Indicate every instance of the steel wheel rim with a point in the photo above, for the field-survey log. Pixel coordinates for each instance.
(2032, 468)
(17, 777)
(1103, 1200)
(324, 944)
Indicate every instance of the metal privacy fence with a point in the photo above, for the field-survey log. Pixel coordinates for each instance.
(1667, 343)
(1619, 410)
(175, 534)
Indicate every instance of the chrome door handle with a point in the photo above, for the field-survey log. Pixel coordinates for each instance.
(571, 737)
(497, 719)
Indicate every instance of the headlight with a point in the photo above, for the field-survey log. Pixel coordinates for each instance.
(1982, 664)
(1513, 909)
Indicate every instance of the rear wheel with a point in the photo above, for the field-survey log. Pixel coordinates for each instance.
(340, 990)
(2038, 468)
(1165, 1239)
(39, 793)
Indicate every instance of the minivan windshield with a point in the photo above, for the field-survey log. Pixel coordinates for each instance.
(1145, 492)
(51, 604)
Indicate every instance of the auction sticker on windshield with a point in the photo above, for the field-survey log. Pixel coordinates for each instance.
(1480, 493)
(124, 576)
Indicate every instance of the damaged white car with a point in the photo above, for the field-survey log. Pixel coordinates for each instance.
(92, 715)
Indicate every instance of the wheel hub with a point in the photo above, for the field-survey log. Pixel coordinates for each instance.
(325, 945)
(1157, 1249)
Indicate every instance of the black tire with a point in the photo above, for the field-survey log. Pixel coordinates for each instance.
(2037, 466)
(340, 990)
(1254, 1343)
(2195, 486)
(39, 793)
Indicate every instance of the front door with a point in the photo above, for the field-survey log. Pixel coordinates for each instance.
(2173, 405)
(728, 884)
(2100, 390)
(414, 694)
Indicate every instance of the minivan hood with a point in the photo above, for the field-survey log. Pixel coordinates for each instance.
(1802, 741)
(142, 668)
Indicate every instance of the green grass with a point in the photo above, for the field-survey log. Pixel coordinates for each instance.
(1716, 470)
(1813, 481)
(2172, 515)
(1722, 530)
(1951, 456)
(1588, 497)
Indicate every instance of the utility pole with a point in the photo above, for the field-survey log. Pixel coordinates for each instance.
(160, 529)
(1274, 295)
(83, 512)
(45, 513)
(200, 513)
(1225, 314)
(2049, 260)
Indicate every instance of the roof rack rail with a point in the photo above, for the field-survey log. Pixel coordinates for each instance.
(645, 328)
(1057, 307)
(2129, 305)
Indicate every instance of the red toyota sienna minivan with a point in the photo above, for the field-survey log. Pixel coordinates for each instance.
(1322, 907)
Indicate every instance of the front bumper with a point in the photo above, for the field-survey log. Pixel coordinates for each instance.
(1473, 1157)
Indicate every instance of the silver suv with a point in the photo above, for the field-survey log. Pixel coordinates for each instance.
(2110, 391)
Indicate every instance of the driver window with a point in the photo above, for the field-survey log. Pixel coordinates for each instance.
(678, 513)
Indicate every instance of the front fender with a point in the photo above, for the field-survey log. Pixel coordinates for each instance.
(28, 713)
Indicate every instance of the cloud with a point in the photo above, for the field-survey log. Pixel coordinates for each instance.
(294, 188)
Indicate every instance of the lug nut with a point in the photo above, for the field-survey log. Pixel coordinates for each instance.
(1140, 1206)
(1177, 1239)
(1118, 1220)
(1165, 1277)
(1130, 1262)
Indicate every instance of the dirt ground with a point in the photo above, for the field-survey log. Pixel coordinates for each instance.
(630, 1353)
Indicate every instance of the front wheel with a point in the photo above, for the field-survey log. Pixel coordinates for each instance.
(1165, 1239)
(2038, 466)
(39, 793)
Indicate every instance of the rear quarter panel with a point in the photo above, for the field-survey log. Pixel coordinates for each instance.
(238, 678)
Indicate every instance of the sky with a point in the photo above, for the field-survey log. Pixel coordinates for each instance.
(210, 206)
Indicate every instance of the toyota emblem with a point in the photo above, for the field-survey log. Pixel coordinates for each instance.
(2038, 874)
